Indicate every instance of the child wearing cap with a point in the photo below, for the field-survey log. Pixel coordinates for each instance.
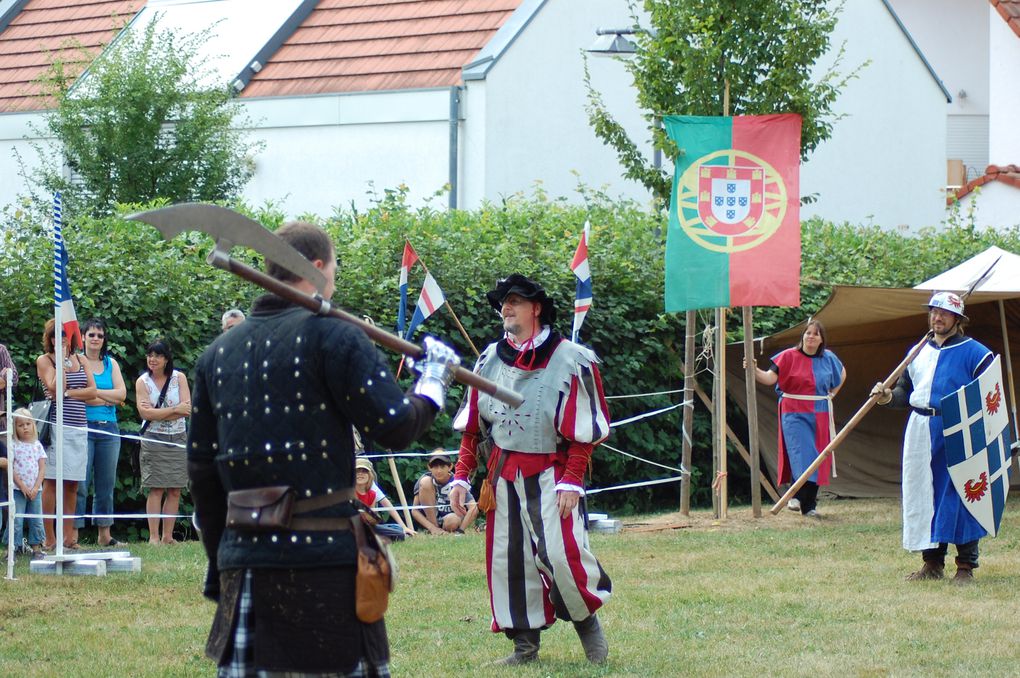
(371, 495)
(432, 491)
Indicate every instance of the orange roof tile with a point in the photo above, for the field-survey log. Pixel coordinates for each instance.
(1009, 10)
(47, 28)
(371, 45)
(1007, 174)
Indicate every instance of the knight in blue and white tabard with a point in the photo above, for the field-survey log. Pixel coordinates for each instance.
(933, 514)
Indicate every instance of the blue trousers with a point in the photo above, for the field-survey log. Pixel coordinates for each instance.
(104, 453)
(35, 526)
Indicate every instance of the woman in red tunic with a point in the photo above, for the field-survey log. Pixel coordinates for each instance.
(806, 378)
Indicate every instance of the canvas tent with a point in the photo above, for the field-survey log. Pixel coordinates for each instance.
(871, 329)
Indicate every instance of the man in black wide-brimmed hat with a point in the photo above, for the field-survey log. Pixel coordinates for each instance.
(540, 567)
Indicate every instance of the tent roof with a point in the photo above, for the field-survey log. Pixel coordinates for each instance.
(1003, 283)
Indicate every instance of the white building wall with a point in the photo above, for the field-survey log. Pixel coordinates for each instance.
(18, 131)
(995, 205)
(336, 150)
(1004, 97)
(473, 144)
(536, 126)
(886, 160)
(953, 35)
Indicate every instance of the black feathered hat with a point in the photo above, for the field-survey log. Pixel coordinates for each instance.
(518, 284)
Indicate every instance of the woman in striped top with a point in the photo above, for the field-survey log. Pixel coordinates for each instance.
(79, 386)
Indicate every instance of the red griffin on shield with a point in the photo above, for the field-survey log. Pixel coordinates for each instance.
(993, 400)
(976, 490)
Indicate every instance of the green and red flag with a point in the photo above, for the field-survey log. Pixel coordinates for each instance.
(734, 214)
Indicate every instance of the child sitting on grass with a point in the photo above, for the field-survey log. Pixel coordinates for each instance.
(372, 496)
(28, 459)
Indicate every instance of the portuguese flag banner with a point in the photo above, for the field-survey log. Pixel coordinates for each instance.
(734, 214)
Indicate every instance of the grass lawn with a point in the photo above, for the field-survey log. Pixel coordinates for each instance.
(778, 596)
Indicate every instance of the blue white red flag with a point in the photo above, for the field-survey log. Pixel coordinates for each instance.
(61, 289)
(582, 297)
(430, 299)
(975, 424)
(406, 262)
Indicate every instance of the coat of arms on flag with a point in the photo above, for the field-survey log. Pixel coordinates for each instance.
(734, 219)
(975, 425)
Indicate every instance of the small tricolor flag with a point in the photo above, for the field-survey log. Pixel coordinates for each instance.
(408, 260)
(430, 299)
(62, 301)
(582, 297)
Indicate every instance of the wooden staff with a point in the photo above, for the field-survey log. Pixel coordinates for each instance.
(400, 492)
(889, 382)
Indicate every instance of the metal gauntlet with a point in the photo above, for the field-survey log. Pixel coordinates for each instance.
(436, 368)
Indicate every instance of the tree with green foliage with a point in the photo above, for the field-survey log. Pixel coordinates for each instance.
(142, 123)
(766, 51)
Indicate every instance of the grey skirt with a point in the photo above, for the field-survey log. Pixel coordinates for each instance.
(163, 460)
(75, 454)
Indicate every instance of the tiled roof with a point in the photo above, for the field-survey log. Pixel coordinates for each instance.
(367, 45)
(1008, 174)
(1009, 10)
(44, 29)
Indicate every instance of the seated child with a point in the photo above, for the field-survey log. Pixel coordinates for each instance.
(432, 491)
(372, 496)
(28, 459)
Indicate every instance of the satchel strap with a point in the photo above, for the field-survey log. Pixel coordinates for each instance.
(323, 500)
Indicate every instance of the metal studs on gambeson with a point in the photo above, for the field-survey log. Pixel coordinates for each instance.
(268, 447)
(230, 463)
(230, 415)
(267, 409)
(290, 457)
(361, 390)
(269, 460)
(286, 409)
(298, 340)
(265, 363)
(304, 457)
(322, 406)
(298, 395)
(393, 412)
(308, 493)
(325, 455)
(297, 373)
(266, 398)
(216, 446)
(301, 408)
(245, 364)
(329, 539)
(219, 382)
(308, 540)
(194, 446)
(274, 539)
(323, 444)
(267, 343)
(220, 351)
(219, 370)
(293, 538)
(329, 490)
(297, 360)
(406, 401)
(301, 444)
(382, 374)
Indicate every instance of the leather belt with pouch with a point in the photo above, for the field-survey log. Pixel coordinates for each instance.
(269, 509)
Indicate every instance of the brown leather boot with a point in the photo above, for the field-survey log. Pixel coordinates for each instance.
(526, 644)
(964, 574)
(930, 570)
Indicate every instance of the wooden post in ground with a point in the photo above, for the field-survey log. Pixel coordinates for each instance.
(688, 416)
(752, 411)
(400, 492)
(720, 488)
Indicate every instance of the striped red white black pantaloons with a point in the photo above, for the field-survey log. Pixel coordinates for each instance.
(539, 566)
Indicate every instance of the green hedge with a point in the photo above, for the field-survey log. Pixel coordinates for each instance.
(146, 287)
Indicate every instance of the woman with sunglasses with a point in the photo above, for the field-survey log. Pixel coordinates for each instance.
(104, 433)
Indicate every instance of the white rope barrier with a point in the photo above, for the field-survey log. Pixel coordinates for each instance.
(639, 417)
(647, 461)
(645, 395)
(628, 486)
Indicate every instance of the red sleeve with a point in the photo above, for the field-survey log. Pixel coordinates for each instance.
(578, 456)
(467, 461)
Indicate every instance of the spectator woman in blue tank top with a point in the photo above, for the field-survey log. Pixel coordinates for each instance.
(104, 434)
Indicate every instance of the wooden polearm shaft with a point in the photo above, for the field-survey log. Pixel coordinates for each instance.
(752, 411)
(889, 382)
(221, 260)
(400, 492)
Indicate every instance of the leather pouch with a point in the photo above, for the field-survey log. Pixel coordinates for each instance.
(375, 577)
(261, 509)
